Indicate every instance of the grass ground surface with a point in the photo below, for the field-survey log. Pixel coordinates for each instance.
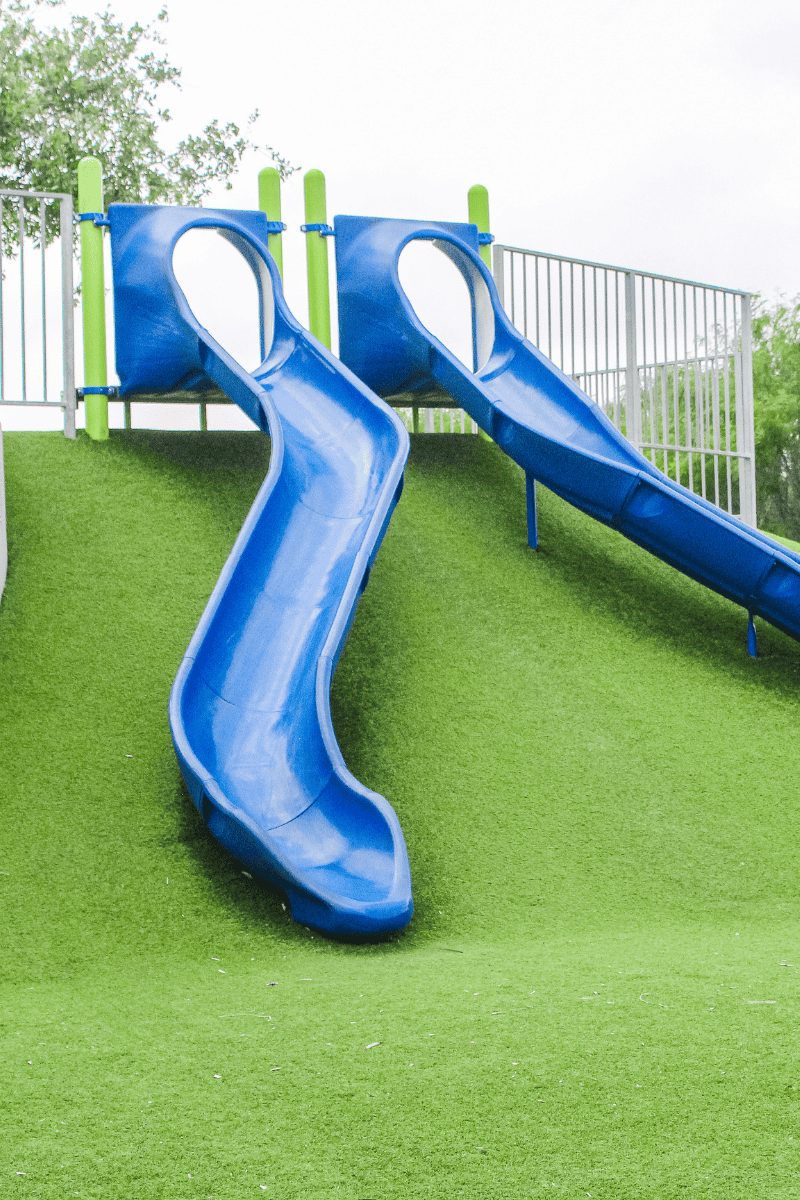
(598, 994)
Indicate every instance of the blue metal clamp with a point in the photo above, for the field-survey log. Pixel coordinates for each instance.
(111, 390)
(322, 230)
(97, 218)
(485, 239)
(276, 226)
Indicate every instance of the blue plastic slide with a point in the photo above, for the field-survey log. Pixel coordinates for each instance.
(542, 419)
(250, 706)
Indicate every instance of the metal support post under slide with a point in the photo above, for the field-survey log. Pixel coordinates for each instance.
(752, 638)
(533, 527)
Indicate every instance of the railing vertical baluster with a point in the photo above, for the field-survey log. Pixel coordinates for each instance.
(665, 438)
(632, 400)
(737, 389)
(704, 374)
(572, 318)
(647, 400)
(42, 242)
(606, 364)
(676, 423)
(652, 389)
(536, 289)
(498, 272)
(561, 312)
(714, 383)
(748, 502)
(618, 417)
(549, 315)
(727, 394)
(2, 273)
(687, 392)
(596, 367)
(21, 226)
(584, 365)
(708, 397)
(69, 399)
(699, 399)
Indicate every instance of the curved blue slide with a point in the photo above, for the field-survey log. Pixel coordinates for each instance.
(250, 706)
(542, 419)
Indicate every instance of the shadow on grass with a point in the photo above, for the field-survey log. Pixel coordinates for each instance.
(614, 579)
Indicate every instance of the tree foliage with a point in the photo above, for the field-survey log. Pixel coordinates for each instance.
(776, 387)
(92, 87)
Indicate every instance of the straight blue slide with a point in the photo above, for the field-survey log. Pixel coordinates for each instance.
(250, 706)
(541, 419)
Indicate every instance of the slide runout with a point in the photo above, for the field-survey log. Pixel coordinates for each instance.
(250, 706)
(541, 419)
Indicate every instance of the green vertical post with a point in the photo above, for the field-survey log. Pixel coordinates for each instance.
(478, 200)
(319, 301)
(269, 201)
(93, 298)
(478, 206)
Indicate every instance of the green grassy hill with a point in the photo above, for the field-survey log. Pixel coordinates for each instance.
(598, 994)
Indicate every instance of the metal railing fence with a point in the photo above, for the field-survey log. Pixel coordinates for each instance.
(668, 360)
(41, 370)
(420, 418)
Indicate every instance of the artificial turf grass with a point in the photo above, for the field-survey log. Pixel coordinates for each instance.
(570, 686)
(618, 1098)
(581, 754)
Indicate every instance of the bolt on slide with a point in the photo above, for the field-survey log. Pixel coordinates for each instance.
(542, 420)
(250, 706)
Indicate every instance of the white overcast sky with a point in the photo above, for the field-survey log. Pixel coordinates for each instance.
(661, 136)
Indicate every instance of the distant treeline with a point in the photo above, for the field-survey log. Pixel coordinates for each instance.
(776, 386)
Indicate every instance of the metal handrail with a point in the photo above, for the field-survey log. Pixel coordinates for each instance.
(668, 359)
(584, 262)
(68, 399)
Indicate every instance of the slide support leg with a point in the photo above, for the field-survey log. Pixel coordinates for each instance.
(752, 640)
(533, 529)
